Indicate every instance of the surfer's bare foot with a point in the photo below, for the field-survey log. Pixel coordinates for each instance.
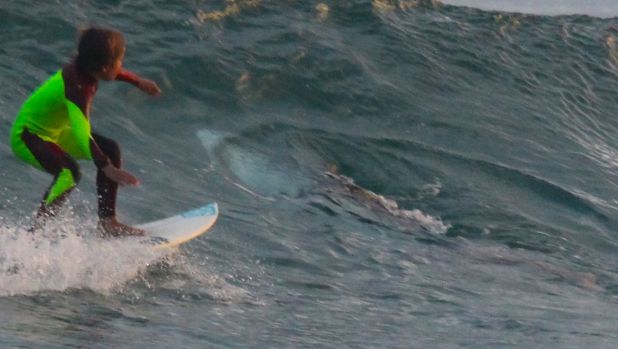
(110, 227)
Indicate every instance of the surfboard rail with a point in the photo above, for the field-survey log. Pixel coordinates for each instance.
(175, 230)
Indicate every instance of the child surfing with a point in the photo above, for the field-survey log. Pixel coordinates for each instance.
(52, 129)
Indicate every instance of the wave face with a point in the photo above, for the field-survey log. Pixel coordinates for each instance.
(390, 174)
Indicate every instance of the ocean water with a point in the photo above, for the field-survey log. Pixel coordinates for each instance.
(390, 174)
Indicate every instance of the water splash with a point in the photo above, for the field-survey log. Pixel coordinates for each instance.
(201, 279)
(67, 255)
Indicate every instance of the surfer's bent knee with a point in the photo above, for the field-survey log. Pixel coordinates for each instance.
(110, 148)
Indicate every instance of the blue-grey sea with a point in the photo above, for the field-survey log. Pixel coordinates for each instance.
(390, 174)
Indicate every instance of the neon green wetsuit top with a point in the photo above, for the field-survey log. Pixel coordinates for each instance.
(52, 117)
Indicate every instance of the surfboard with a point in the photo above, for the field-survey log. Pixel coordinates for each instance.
(173, 231)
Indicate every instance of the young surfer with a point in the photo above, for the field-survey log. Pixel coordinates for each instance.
(52, 128)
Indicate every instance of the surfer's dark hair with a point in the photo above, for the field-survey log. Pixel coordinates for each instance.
(98, 48)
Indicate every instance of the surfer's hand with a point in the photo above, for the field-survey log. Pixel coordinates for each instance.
(149, 87)
(120, 176)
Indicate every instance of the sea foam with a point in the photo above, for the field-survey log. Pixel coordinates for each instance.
(67, 255)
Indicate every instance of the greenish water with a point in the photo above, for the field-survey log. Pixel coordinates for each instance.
(390, 174)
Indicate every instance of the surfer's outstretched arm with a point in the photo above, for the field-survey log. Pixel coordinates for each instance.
(145, 85)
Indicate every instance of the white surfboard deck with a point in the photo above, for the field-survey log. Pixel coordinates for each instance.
(178, 229)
